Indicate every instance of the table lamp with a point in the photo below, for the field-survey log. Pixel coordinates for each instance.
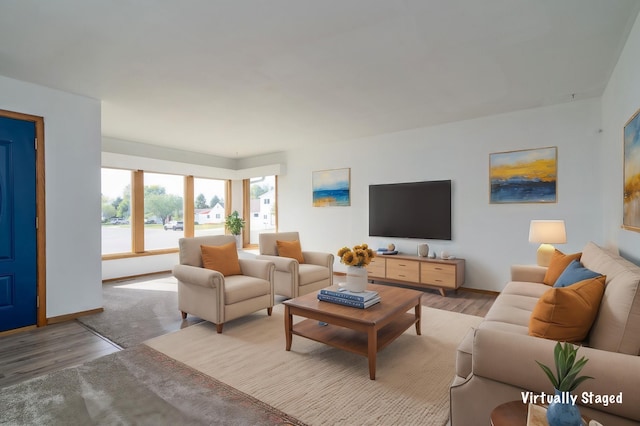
(547, 232)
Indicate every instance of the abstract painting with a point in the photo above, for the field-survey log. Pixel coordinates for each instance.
(526, 176)
(331, 187)
(631, 194)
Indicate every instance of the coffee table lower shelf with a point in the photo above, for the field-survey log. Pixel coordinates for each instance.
(351, 340)
(361, 331)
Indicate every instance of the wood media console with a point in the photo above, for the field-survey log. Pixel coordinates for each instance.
(418, 271)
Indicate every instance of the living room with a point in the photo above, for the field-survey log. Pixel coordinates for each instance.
(585, 127)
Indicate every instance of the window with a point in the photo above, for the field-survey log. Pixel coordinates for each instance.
(116, 211)
(209, 203)
(163, 210)
(260, 206)
(145, 212)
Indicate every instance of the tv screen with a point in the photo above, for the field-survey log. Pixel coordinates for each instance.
(411, 210)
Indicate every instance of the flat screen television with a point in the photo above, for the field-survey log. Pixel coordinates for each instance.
(411, 210)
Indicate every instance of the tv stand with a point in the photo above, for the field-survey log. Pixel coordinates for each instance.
(418, 271)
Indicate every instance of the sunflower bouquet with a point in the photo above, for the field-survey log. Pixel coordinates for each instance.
(360, 255)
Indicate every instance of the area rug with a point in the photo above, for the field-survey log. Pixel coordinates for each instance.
(137, 386)
(321, 385)
(137, 310)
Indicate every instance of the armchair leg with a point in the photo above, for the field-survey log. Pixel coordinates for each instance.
(219, 328)
(269, 311)
(184, 315)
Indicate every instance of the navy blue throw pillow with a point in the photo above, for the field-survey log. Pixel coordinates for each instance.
(574, 273)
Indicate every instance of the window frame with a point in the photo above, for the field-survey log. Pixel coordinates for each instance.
(137, 214)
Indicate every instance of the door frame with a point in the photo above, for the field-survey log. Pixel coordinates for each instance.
(41, 259)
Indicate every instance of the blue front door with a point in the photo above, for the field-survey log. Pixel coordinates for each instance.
(18, 285)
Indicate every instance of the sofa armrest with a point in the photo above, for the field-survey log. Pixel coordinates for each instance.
(318, 258)
(511, 358)
(283, 264)
(198, 276)
(257, 268)
(528, 273)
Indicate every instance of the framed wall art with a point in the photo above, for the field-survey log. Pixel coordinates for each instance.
(331, 187)
(631, 170)
(525, 176)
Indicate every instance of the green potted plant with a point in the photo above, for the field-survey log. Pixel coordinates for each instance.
(234, 224)
(562, 410)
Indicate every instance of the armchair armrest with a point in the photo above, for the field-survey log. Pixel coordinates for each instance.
(257, 268)
(510, 358)
(528, 273)
(198, 276)
(284, 264)
(318, 258)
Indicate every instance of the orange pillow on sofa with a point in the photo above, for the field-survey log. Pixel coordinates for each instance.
(290, 249)
(566, 314)
(223, 259)
(559, 262)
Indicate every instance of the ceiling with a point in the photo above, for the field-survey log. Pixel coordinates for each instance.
(249, 77)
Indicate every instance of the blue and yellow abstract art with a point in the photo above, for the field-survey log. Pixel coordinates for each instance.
(526, 176)
(631, 203)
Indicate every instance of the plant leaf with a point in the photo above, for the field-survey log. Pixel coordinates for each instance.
(577, 382)
(549, 374)
(557, 355)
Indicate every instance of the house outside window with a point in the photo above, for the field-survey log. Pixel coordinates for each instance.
(262, 207)
(209, 206)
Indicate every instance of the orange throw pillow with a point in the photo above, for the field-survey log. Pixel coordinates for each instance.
(566, 314)
(559, 262)
(290, 249)
(223, 259)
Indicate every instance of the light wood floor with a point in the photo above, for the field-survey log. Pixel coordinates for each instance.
(36, 352)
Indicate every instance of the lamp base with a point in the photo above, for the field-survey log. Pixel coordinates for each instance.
(544, 253)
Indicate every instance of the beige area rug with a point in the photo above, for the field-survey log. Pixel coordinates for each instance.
(321, 385)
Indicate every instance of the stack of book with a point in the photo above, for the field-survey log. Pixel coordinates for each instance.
(384, 251)
(345, 297)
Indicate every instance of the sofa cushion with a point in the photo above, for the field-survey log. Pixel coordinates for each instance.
(559, 262)
(567, 313)
(223, 259)
(238, 288)
(617, 326)
(312, 273)
(512, 308)
(290, 249)
(574, 273)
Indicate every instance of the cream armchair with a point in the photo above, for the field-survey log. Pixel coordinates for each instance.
(214, 297)
(292, 278)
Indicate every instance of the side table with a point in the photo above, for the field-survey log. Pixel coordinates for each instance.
(514, 413)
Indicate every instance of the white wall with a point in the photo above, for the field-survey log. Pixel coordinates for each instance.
(72, 167)
(490, 237)
(620, 101)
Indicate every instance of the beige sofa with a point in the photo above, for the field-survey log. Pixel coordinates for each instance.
(496, 362)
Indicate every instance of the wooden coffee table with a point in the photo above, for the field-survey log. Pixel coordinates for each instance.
(361, 331)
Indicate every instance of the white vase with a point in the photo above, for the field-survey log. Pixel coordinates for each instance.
(356, 278)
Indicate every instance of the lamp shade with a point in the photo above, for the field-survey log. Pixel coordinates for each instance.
(547, 232)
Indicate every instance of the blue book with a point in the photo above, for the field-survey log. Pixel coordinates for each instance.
(346, 294)
(348, 302)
